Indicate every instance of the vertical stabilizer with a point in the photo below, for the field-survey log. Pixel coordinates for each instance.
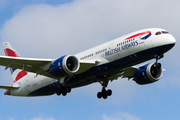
(17, 74)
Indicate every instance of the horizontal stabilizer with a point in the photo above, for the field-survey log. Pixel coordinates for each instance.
(9, 87)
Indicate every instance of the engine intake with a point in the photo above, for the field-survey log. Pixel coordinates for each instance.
(148, 73)
(64, 66)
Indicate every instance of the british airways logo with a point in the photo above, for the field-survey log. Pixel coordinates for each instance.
(121, 48)
(143, 35)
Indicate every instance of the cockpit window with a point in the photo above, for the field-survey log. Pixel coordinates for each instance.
(165, 32)
(162, 32)
(158, 33)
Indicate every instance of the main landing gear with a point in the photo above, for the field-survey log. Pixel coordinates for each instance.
(104, 93)
(63, 90)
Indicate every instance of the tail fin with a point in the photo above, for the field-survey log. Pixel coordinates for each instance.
(17, 74)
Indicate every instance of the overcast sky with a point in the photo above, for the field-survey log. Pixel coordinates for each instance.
(53, 28)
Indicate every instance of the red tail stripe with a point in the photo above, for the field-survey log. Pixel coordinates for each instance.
(10, 52)
(20, 75)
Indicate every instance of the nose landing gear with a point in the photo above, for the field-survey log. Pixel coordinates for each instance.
(157, 57)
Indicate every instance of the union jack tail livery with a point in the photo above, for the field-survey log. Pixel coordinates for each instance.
(10, 51)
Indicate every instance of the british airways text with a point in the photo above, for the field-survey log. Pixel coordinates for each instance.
(121, 48)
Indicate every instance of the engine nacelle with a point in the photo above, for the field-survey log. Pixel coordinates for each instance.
(63, 66)
(148, 73)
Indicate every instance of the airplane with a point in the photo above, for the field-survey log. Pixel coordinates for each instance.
(104, 63)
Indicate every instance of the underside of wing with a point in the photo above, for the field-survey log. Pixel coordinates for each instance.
(124, 73)
(86, 65)
(39, 66)
(129, 72)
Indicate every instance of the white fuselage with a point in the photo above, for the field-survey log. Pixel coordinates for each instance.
(119, 48)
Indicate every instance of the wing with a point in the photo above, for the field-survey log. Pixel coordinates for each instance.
(125, 73)
(130, 73)
(86, 65)
(39, 66)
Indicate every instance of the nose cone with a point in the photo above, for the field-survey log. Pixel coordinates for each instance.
(170, 41)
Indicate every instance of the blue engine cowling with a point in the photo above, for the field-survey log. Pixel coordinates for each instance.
(148, 73)
(64, 66)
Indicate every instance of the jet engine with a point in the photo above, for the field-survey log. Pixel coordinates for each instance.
(148, 73)
(63, 66)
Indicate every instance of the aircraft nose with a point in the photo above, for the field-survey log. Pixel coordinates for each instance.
(170, 40)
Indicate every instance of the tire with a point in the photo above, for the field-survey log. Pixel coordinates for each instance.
(158, 65)
(58, 92)
(99, 95)
(64, 93)
(109, 92)
(68, 89)
(104, 93)
(104, 96)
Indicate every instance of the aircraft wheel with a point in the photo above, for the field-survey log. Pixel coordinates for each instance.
(157, 65)
(99, 95)
(64, 93)
(105, 96)
(63, 90)
(109, 92)
(104, 93)
(58, 92)
(68, 89)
